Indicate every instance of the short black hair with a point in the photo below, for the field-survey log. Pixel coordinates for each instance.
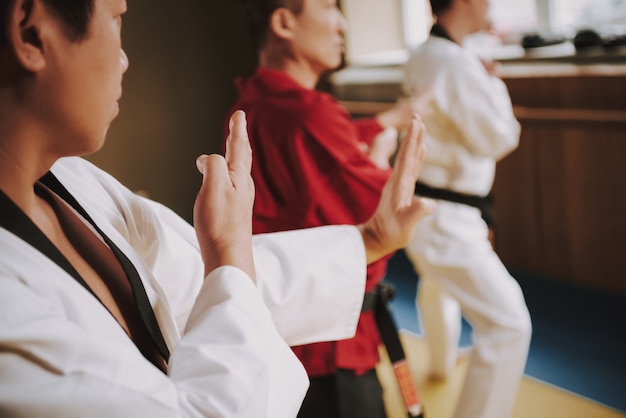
(75, 14)
(3, 12)
(256, 15)
(440, 6)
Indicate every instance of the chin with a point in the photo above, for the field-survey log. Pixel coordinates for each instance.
(335, 64)
(94, 146)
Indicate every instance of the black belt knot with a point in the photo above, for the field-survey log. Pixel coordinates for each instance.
(386, 291)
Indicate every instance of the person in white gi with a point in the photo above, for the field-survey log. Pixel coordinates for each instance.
(113, 306)
(469, 128)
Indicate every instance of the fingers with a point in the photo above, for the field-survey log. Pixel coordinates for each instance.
(237, 163)
(415, 207)
(408, 163)
(238, 151)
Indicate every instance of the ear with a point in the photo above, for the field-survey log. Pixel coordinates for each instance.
(283, 23)
(26, 20)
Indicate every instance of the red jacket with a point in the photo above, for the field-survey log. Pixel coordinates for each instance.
(309, 170)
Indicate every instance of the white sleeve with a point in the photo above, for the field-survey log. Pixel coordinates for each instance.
(480, 107)
(231, 361)
(313, 281)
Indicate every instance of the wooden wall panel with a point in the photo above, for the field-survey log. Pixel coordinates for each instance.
(517, 206)
(561, 196)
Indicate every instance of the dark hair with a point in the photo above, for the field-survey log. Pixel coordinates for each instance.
(440, 6)
(256, 15)
(3, 12)
(76, 15)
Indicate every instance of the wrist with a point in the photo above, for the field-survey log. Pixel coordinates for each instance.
(385, 120)
(373, 247)
(239, 256)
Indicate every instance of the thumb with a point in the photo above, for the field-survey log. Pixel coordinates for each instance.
(201, 162)
(212, 166)
(420, 208)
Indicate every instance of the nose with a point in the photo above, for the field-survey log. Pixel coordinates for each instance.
(343, 23)
(123, 60)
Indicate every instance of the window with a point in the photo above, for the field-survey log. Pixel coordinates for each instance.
(381, 30)
(560, 16)
(567, 15)
(511, 16)
(376, 30)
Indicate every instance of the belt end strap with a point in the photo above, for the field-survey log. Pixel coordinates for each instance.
(389, 335)
(407, 389)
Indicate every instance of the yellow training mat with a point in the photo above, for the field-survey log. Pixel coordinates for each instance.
(535, 398)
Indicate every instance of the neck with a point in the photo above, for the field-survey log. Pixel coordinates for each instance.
(456, 26)
(21, 162)
(300, 71)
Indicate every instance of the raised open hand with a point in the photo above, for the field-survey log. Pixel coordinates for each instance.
(223, 208)
(399, 210)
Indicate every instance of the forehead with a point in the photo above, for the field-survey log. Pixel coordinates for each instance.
(317, 3)
(110, 5)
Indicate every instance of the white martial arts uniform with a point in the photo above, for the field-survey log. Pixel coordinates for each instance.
(62, 354)
(471, 126)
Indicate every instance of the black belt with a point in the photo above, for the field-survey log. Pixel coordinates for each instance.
(379, 302)
(386, 290)
(482, 203)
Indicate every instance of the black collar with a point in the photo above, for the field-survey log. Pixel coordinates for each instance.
(14, 220)
(438, 30)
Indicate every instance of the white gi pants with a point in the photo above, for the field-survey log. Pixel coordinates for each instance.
(460, 273)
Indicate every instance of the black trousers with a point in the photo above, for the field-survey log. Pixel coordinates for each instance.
(344, 395)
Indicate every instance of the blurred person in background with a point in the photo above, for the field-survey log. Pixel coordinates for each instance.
(314, 165)
(470, 126)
